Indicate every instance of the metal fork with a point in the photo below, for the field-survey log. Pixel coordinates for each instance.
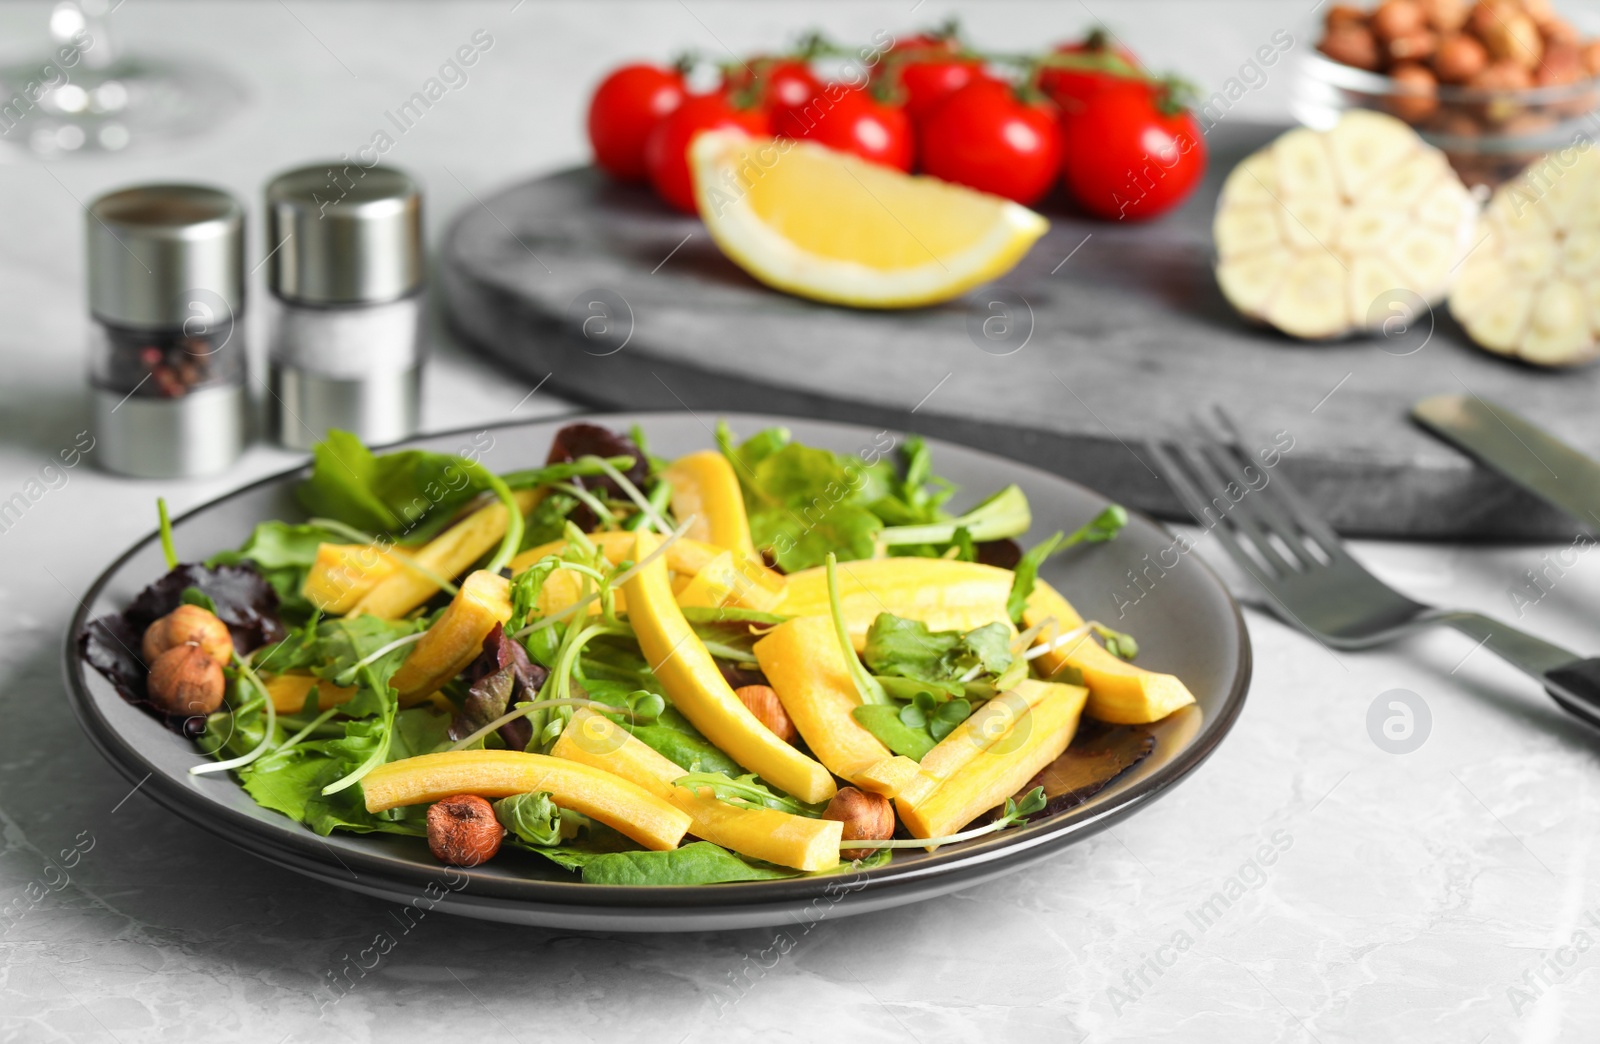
(1312, 581)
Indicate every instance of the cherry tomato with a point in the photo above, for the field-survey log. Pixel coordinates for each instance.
(928, 69)
(625, 107)
(667, 148)
(1071, 88)
(1130, 153)
(850, 120)
(985, 137)
(784, 82)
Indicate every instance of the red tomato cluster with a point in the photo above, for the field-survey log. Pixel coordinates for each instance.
(1085, 114)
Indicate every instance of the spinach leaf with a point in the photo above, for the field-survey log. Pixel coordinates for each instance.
(883, 721)
(700, 862)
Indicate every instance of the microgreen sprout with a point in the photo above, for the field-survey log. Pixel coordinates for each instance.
(745, 792)
(271, 712)
(631, 492)
(870, 690)
(523, 710)
(168, 551)
(348, 676)
(514, 520)
(1014, 813)
(380, 753)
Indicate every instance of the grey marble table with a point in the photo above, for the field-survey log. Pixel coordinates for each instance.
(1448, 894)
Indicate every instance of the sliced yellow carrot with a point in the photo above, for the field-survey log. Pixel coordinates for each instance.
(760, 833)
(288, 692)
(752, 584)
(980, 731)
(944, 594)
(1119, 692)
(697, 688)
(456, 638)
(447, 555)
(806, 668)
(623, 806)
(343, 574)
(705, 487)
(998, 770)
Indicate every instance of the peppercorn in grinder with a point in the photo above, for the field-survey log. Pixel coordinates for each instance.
(167, 357)
(346, 271)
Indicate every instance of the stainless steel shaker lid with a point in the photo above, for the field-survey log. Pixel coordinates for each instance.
(344, 234)
(163, 255)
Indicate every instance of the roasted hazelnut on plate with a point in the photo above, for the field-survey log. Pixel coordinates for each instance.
(462, 830)
(184, 682)
(1351, 45)
(763, 702)
(1459, 58)
(188, 625)
(866, 817)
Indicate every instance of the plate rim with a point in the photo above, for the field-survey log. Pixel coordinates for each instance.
(1022, 846)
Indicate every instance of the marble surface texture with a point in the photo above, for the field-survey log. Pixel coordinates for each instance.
(1451, 894)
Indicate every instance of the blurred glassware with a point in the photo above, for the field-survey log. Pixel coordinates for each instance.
(1490, 136)
(86, 97)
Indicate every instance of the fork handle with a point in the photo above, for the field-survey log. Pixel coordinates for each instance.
(1572, 681)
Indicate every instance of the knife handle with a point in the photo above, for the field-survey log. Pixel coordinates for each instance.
(1575, 687)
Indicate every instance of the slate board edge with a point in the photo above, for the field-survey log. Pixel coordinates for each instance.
(535, 338)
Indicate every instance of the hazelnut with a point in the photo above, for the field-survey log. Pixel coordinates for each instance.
(462, 830)
(763, 702)
(1563, 64)
(1559, 31)
(1541, 11)
(1416, 99)
(1351, 45)
(1445, 16)
(188, 625)
(1344, 14)
(1591, 57)
(866, 817)
(1397, 18)
(1503, 75)
(184, 681)
(1459, 58)
(1412, 47)
(1511, 35)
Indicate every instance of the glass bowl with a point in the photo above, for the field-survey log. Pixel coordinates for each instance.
(1489, 135)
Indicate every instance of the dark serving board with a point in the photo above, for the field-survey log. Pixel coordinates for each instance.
(622, 303)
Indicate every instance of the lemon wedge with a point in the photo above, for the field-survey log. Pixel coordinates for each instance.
(833, 227)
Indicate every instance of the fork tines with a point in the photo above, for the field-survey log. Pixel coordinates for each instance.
(1262, 521)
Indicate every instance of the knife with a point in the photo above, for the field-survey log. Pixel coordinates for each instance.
(1518, 449)
(1557, 474)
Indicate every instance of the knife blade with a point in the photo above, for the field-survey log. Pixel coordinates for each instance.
(1520, 450)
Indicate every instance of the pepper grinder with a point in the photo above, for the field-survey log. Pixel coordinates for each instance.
(345, 325)
(166, 357)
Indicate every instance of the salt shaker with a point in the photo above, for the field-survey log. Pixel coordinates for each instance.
(167, 355)
(345, 325)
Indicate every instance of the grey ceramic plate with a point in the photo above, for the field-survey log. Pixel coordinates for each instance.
(1186, 625)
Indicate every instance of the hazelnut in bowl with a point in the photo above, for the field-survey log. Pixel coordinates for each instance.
(1495, 84)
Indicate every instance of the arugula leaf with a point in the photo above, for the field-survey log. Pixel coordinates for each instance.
(897, 647)
(698, 863)
(730, 633)
(746, 792)
(883, 721)
(910, 500)
(1103, 527)
(536, 819)
(393, 493)
(804, 502)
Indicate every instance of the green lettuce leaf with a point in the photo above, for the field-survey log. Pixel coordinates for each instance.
(700, 862)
